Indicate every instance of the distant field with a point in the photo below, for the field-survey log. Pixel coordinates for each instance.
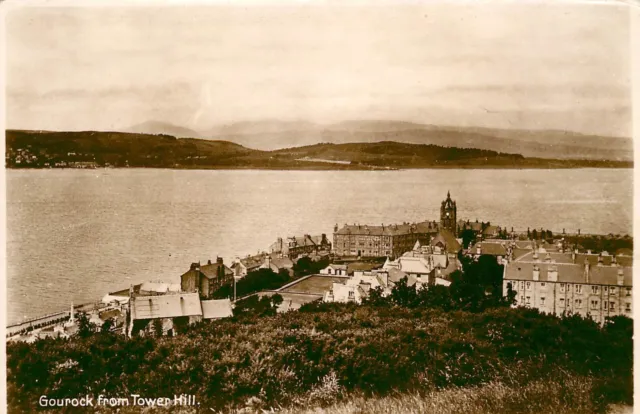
(315, 284)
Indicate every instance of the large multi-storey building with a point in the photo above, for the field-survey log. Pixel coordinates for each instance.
(295, 246)
(584, 284)
(378, 241)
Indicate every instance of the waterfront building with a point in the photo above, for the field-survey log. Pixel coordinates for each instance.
(296, 246)
(597, 285)
(206, 279)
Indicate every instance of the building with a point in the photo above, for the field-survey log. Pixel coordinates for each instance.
(427, 265)
(335, 269)
(356, 288)
(206, 279)
(295, 246)
(277, 264)
(561, 282)
(448, 214)
(241, 267)
(380, 241)
(171, 310)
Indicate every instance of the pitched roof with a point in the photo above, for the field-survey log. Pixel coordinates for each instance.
(165, 306)
(210, 271)
(282, 263)
(216, 309)
(490, 229)
(447, 238)
(414, 265)
(337, 266)
(352, 267)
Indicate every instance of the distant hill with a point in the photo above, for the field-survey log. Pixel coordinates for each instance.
(270, 135)
(87, 149)
(157, 128)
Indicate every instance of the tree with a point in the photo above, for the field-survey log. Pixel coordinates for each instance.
(85, 327)
(404, 295)
(468, 236)
(106, 326)
(534, 234)
(157, 327)
(375, 297)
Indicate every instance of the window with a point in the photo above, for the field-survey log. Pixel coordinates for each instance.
(561, 287)
(562, 302)
(542, 298)
(594, 290)
(521, 285)
(528, 300)
(628, 307)
(613, 290)
(578, 288)
(605, 289)
(594, 304)
(528, 285)
(351, 294)
(605, 305)
(543, 285)
(578, 303)
(628, 291)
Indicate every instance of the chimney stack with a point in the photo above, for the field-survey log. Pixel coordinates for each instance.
(587, 268)
(536, 273)
(620, 277)
(552, 274)
(219, 260)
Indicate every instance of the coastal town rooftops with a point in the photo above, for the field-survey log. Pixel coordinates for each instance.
(250, 262)
(165, 306)
(569, 273)
(388, 230)
(568, 257)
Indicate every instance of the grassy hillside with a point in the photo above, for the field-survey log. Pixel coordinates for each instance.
(42, 149)
(332, 354)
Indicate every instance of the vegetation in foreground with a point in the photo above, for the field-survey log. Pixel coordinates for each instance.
(326, 353)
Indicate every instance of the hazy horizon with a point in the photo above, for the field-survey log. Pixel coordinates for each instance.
(531, 66)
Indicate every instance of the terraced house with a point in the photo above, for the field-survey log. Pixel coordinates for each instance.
(586, 284)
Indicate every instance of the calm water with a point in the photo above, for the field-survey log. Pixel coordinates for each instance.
(77, 234)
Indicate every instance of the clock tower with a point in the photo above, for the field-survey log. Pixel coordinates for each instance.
(448, 218)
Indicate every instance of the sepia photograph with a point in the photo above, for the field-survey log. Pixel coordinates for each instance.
(318, 207)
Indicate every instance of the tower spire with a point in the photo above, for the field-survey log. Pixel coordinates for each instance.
(448, 194)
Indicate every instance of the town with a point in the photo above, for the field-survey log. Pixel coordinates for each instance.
(555, 274)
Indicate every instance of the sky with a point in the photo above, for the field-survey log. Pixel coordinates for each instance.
(520, 65)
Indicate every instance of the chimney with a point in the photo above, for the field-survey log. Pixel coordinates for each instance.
(535, 254)
(209, 261)
(195, 266)
(588, 251)
(600, 259)
(552, 274)
(536, 273)
(219, 260)
(620, 277)
(335, 228)
(587, 268)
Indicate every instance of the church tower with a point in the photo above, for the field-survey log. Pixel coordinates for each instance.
(448, 218)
